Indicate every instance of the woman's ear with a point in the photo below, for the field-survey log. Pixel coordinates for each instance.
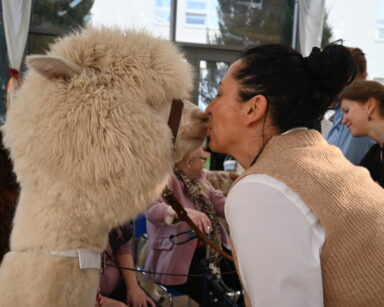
(187, 164)
(255, 109)
(372, 105)
(184, 165)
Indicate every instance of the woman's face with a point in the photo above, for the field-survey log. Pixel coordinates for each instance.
(193, 165)
(197, 163)
(224, 113)
(355, 117)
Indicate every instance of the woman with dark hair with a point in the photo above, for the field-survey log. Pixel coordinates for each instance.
(307, 225)
(363, 108)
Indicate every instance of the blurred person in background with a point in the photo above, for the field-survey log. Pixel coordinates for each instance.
(363, 109)
(185, 253)
(353, 148)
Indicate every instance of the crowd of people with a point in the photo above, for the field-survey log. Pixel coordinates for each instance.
(303, 221)
(302, 216)
(306, 224)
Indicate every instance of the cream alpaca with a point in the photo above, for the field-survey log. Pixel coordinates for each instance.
(89, 138)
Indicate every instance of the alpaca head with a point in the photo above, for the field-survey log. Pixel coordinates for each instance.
(93, 112)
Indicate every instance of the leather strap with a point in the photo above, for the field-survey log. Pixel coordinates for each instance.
(175, 117)
(183, 215)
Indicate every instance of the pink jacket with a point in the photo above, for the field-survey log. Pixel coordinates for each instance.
(164, 256)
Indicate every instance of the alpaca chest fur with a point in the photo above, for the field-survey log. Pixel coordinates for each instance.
(91, 148)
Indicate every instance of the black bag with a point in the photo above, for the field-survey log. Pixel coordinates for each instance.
(218, 291)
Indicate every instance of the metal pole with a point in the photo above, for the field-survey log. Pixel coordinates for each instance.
(295, 22)
(172, 26)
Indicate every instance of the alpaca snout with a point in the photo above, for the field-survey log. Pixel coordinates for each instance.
(201, 121)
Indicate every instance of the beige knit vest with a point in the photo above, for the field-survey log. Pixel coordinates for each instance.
(349, 205)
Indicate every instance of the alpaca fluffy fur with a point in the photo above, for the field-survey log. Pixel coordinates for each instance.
(91, 148)
(221, 180)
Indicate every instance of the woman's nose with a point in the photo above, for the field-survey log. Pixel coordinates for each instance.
(210, 106)
(345, 120)
(208, 109)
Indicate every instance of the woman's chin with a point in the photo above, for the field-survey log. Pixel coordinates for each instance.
(356, 133)
(212, 145)
(216, 148)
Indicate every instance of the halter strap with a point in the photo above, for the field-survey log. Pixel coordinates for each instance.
(88, 259)
(175, 117)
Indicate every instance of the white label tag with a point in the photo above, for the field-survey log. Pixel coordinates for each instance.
(89, 259)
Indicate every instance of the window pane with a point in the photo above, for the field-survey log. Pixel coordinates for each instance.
(211, 74)
(196, 5)
(162, 17)
(59, 16)
(381, 12)
(74, 3)
(237, 23)
(381, 34)
(151, 15)
(163, 3)
(192, 19)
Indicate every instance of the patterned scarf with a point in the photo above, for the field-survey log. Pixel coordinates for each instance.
(203, 204)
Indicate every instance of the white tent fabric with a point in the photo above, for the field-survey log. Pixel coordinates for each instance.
(16, 16)
(311, 18)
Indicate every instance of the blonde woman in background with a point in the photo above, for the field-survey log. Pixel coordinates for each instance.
(185, 252)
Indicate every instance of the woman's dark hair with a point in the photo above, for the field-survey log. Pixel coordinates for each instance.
(299, 90)
(361, 91)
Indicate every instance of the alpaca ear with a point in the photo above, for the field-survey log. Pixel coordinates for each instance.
(52, 67)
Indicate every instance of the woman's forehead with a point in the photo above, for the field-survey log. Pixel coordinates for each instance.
(229, 76)
(234, 67)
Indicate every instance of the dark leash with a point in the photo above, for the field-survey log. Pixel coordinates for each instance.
(116, 265)
(174, 123)
(183, 215)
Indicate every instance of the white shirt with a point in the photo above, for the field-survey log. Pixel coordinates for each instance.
(278, 242)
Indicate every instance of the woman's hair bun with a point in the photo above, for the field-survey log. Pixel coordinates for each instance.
(331, 69)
